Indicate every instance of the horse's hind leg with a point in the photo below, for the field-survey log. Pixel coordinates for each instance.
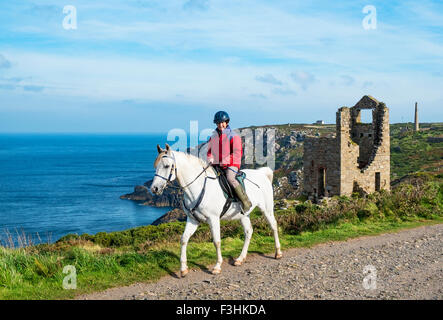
(269, 214)
(246, 223)
(191, 226)
(215, 230)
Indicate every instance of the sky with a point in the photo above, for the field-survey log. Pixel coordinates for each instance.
(134, 66)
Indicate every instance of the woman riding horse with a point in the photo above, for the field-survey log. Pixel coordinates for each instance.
(225, 151)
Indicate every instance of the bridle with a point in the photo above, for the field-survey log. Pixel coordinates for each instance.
(202, 193)
(174, 169)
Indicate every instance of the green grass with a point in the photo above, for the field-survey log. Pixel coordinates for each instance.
(97, 272)
(411, 151)
(147, 253)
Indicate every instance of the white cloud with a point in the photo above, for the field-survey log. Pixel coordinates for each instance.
(206, 84)
(367, 84)
(284, 92)
(33, 88)
(303, 78)
(347, 80)
(196, 5)
(269, 30)
(269, 78)
(258, 95)
(226, 52)
(4, 63)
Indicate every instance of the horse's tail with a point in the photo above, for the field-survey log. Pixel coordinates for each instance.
(268, 173)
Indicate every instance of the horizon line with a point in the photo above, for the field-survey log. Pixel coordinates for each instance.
(159, 133)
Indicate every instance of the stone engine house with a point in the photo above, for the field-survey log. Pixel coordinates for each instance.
(356, 159)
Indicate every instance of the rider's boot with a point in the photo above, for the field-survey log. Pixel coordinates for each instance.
(246, 203)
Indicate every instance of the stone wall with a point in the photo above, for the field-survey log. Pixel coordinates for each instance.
(321, 161)
(356, 160)
(348, 151)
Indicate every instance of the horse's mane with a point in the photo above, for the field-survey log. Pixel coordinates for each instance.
(198, 162)
(157, 160)
(193, 159)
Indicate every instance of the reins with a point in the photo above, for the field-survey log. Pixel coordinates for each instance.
(245, 177)
(174, 165)
(202, 193)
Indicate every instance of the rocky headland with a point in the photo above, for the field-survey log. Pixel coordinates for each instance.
(170, 197)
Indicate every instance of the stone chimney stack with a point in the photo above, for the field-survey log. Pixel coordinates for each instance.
(417, 128)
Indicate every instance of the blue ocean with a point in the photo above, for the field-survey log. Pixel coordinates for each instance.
(55, 184)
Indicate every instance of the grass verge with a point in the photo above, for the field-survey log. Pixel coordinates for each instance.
(147, 253)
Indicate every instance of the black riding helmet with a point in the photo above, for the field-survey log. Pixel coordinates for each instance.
(221, 116)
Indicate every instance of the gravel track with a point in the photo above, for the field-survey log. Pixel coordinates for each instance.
(409, 265)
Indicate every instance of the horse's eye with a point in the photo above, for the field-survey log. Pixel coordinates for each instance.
(167, 166)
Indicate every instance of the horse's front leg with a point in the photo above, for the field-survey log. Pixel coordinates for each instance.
(246, 223)
(191, 226)
(215, 230)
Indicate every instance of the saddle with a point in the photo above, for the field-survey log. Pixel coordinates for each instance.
(227, 189)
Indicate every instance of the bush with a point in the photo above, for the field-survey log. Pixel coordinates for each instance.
(369, 210)
(421, 196)
(424, 198)
(103, 239)
(68, 237)
(300, 208)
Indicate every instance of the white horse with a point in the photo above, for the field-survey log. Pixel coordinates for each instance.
(204, 200)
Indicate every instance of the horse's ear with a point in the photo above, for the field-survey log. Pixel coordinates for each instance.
(159, 149)
(168, 148)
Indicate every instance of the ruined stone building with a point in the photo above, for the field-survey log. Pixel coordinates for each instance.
(356, 159)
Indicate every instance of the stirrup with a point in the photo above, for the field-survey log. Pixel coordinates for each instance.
(242, 209)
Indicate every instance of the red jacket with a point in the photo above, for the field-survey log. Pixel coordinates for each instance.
(225, 148)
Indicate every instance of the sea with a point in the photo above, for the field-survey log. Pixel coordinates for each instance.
(55, 184)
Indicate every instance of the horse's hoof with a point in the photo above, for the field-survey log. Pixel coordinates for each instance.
(238, 262)
(216, 271)
(183, 273)
(278, 256)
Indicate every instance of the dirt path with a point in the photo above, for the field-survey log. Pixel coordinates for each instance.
(408, 264)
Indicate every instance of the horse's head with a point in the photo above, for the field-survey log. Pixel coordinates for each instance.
(165, 170)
